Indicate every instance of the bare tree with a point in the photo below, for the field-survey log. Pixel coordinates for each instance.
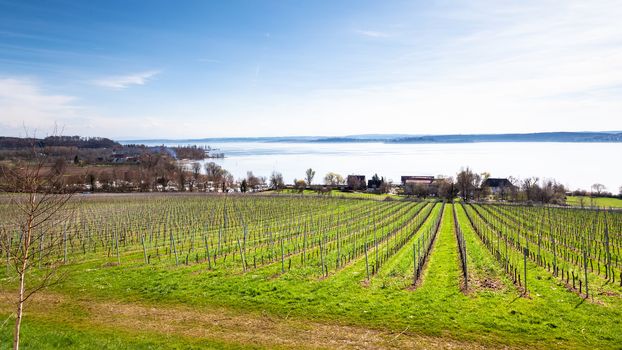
(310, 174)
(385, 186)
(531, 188)
(445, 188)
(467, 182)
(181, 175)
(333, 179)
(420, 190)
(276, 180)
(252, 181)
(300, 185)
(91, 179)
(598, 188)
(214, 173)
(513, 190)
(552, 192)
(227, 180)
(38, 206)
(263, 181)
(354, 182)
(196, 173)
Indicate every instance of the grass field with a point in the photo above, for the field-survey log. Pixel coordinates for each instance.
(195, 271)
(334, 193)
(598, 202)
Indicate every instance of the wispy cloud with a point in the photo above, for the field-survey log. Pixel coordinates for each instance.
(372, 33)
(28, 108)
(121, 82)
(24, 103)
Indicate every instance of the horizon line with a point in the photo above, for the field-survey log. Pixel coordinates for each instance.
(370, 136)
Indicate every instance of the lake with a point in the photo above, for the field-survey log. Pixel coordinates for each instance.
(576, 165)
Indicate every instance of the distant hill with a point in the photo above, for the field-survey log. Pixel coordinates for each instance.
(458, 138)
(227, 139)
(58, 141)
(532, 137)
(403, 138)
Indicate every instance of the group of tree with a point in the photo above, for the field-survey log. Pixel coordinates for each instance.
(95, 151)
(587, 198)
(252, 182)
(276, 181)
(333, 179)
(57, 141)
(472, 186)
(441, 187)
(155, 172)
(469, 185)
(192, 152)
(599, 190)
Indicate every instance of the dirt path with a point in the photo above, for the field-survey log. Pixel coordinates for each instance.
(226, 325)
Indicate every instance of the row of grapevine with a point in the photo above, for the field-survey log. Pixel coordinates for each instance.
(461, 249)
(422, 246)
(238, 233)
(509, 255)
(568, 251)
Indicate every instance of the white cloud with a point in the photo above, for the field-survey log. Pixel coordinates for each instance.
(124, 81)
(23, 104)
(26, 108)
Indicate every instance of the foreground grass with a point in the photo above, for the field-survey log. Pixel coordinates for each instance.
(45, 333)
(110, 325)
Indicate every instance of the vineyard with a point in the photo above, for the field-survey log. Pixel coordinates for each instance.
(478, 274)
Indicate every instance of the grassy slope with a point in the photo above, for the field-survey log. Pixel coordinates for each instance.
(599, 202)
(551, 317)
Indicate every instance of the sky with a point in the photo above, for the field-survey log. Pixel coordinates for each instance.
(129, 69)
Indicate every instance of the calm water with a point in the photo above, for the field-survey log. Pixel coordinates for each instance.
(577, 165)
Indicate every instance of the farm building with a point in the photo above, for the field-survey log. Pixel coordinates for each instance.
(374, 183)
(118, 158)
(417, 180)
(497, 185)
(356, 182)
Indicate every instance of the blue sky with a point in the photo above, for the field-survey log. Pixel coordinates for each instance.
(191, 69)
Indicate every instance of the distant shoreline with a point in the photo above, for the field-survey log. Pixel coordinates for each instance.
(560, 137)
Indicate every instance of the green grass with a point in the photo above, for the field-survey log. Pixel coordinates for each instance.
(551, 317)
(38, 333)
(597, 202)
(336, 193)
(442, 274)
